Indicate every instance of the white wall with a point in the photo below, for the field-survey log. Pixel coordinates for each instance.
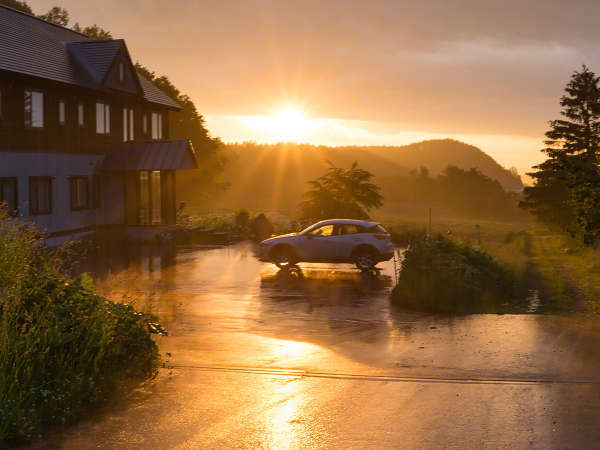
(60, 166)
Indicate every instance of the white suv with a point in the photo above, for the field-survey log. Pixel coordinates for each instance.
(361, 242)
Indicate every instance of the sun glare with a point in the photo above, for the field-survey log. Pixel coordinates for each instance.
(288, 124)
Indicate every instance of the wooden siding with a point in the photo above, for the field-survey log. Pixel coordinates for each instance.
(68, 137)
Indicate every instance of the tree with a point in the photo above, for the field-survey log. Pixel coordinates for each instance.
(93, 31)
(566, 192)
(341, 193)
(18, 5)
(189, 124)
(57, 15)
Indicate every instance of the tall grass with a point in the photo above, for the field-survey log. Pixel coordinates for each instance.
(62, 347)
(439, 275)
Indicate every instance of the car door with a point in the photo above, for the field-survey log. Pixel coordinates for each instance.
(351, 236)
(318, 243)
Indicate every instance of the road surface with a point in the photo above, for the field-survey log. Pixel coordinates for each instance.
(318, 358)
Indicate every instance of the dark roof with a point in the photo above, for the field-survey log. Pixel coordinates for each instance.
(151, 155)
(32, 46)
(97, 55)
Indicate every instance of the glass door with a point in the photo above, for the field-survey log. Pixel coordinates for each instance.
(144, 199)
(156, 198)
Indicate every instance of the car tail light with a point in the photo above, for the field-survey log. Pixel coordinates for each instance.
(382, 237)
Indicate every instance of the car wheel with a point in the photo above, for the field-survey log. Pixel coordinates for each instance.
(365, 259)
(284, 258)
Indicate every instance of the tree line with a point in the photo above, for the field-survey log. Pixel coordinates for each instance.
(352, 193)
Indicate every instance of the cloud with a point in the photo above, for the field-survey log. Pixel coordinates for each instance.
(468, 67)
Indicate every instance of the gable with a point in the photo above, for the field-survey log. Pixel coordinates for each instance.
(33, 47)
(121, 75)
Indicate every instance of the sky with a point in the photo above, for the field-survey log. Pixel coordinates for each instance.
(373, 72)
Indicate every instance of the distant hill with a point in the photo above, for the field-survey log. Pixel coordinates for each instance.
(273, 177)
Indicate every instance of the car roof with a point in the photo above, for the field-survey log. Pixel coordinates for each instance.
(364, 223)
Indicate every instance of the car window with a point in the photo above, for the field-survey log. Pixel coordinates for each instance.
(325, 230)
(374, 229)
(350, 229)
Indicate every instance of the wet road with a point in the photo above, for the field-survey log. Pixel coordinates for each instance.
(318, 358)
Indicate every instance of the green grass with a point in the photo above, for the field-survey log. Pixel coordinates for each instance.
(565, 274)
(63, 348)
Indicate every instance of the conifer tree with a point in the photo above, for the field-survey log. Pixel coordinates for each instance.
(566, 192)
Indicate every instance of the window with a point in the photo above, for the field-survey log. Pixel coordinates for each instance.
(121, 72)
(144, 199)
(127, 124)
(102, 118)
(156, 125)
(156, 199)
(351, 229)
(1, 109)
(79, 193)
(80, 115)
(8, 194)
(62, 118)
(145, 124)
(97, 186)
(149, 198)
(34, 109)
(131, 124)
(40, 195)
(325, 230)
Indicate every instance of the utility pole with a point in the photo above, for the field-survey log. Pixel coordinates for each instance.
(429, 227)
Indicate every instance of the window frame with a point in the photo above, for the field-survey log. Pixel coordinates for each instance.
(35, 211)
(28, 117)
(105, 115)
(72, 180)
(128, 122)
(62, 111)
(81, 114)
(14, 212)
(156, 125)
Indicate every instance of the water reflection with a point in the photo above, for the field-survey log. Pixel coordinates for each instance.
(324, 286)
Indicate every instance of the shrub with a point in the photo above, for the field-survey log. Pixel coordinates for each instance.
(439, 275)
(62, 347)
(242, 219)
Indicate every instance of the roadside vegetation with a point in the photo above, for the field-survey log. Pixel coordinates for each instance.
(63, 348)
(559, 270)
(439, 275)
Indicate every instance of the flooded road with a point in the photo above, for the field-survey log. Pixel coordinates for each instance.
(318, 358)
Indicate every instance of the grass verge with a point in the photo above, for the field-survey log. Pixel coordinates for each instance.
(564, 273)
(63, 348)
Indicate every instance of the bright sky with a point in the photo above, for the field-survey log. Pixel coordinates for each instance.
(363, 72)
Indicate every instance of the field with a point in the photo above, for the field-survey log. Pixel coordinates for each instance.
(564, 274)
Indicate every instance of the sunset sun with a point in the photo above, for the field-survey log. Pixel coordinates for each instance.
(287, 124)
(290, 124)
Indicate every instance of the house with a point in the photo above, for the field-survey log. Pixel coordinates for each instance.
(84, 138)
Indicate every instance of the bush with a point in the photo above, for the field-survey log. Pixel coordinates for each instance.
(62, 347)
(439, 275)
